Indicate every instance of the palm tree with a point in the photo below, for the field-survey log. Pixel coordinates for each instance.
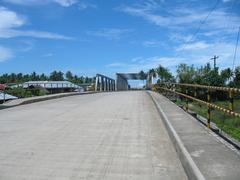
(152, 73)
(164, 74)
(142, 75)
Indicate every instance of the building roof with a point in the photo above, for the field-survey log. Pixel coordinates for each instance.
(7, 96)
(50, 84)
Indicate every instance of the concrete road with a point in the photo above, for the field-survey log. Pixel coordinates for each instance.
(100, 136)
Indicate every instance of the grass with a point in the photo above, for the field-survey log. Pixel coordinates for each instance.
(225, 122)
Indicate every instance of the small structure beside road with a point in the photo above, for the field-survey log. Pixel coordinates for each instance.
(52, 87)
(6, 97)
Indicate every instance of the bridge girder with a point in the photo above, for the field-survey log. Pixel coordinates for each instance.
(104, 83)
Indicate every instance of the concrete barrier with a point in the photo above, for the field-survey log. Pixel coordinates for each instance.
(189, 165)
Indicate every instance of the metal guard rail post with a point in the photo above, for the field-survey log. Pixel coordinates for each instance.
(210, 105)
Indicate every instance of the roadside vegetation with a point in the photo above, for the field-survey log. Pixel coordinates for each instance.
(24, 93)
(14, 79)
(206, 75)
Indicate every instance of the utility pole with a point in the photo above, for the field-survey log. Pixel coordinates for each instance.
(214, 60)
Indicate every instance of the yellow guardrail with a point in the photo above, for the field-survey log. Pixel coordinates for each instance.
(228, 89)
(171, 87)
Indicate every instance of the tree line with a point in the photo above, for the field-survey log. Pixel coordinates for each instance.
(204, 75)
(53, 76)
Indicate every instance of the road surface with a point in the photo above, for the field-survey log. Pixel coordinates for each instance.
(108, 136)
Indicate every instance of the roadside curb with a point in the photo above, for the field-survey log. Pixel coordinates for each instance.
(43, 98)
(188, 164)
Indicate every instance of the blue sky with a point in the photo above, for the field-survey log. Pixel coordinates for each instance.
(109, 36)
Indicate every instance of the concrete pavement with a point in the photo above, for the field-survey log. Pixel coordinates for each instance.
(213, 157)
(108, 136)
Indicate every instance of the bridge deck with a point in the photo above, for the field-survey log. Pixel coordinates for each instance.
(215, 158)
(100, 136)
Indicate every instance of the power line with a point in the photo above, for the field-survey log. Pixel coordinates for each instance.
(227, 20)
(235, 51)
(200, 25)
(202, 22)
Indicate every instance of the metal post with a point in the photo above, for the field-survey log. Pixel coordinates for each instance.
(187, 103)
(105, 84)
(209, 109)
(195, 92)
(4, 96)
(108, 81)
(110, 84)
(96, 84)
(231, 102)
(101, 84)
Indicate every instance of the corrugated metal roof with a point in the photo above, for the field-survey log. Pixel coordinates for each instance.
(44, 82)
(50, 84)
(7, 96)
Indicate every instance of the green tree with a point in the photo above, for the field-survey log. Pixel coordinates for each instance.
(142, 75)
(56, 76)
(164, 74)
(69, 75)
(185, 73)
(213, 78)
(152, 72)
(236, 79)
(226, 75)
(12, 78)
(34, 76)
(43, 77)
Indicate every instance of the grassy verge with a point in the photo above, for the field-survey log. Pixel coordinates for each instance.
(23, 93)
(227, 123)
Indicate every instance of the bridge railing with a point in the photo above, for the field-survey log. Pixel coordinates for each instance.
(193, 92)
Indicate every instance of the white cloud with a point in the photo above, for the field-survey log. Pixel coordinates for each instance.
(181, 17)
(177, 37)
(145, 64)
(64, 3)
(26, 46)
(200, 56)
(152, 43)
(5, 54)
(47, 55)
(194, 46)
(226, 1)
(10, 21)
(9, 33)
(84, 5)
(26, 2)
(197, 54)
(109, 33)
(116, 65)
(136, 59)
(146, 14)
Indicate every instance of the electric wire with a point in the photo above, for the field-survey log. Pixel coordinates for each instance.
(235, 51)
